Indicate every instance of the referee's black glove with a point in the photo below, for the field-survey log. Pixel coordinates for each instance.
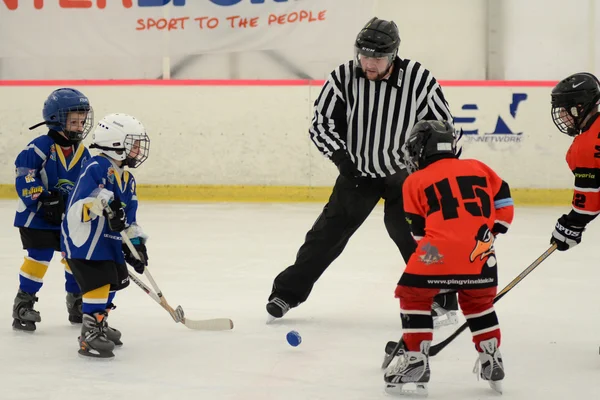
(347, 169)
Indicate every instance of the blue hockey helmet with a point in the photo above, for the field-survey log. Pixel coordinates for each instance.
(68, 110)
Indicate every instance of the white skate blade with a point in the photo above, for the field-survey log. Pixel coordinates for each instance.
(95, 359)
(496, 385)
(401, 389)
(450, 318)
(95, 355)
(270, 319)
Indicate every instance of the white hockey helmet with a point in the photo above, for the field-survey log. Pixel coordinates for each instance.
(123, 138)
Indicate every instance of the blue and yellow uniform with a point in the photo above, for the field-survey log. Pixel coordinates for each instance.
(86, 236)
(44, 166)
(101, 209)
(46, 171)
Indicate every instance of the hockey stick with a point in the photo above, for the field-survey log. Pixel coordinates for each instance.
(435, 349)
(216, 324)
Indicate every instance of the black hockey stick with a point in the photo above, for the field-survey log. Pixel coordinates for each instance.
(435, 349)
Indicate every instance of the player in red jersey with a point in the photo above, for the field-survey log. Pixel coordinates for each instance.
(575, 102)
(455, 209)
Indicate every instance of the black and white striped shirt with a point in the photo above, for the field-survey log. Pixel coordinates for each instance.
(370, 119)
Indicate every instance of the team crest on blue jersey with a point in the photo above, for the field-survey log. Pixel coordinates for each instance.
(53, 153)
(30, 177)
(65, 186)
(111, 175)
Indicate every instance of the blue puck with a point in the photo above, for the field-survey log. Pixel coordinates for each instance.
(293, 338)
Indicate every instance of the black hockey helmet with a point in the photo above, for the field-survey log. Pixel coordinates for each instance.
(378, 38)
(429, 141)
(573, 99)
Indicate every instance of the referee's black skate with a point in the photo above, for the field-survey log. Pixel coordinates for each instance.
(24, 316)
(276, 308)
(93, 342)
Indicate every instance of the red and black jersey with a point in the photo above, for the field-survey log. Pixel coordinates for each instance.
(455, 208)
(583, 158)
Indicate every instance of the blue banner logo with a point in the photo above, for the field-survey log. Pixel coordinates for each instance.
(502, 131)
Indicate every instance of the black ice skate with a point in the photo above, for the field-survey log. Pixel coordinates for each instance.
(93, 341)
(489, 365)
(276, 308)
(412, 369)
(74, 303)
(24, 315)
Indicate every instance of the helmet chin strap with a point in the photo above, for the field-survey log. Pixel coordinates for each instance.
(127, 162)
(105, 148)
(95, 146)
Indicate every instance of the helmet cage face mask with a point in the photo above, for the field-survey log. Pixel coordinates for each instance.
(566, 120)
(569, 112)
(84, 116)
(137, 149)
(412, 151)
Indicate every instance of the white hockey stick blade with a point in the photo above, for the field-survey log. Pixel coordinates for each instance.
(217, 324)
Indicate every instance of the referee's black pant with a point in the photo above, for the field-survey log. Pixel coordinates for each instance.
(348, 207)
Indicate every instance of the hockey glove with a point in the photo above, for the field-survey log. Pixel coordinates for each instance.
(566, 235)
(130, 259)
(53, 206)
(118, 222)
(347, 169)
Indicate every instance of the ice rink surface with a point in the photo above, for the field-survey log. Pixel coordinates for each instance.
(219, 260)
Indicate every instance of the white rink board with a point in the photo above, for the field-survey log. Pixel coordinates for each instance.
(258, 135)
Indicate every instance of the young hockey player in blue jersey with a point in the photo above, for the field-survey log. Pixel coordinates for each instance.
(92, 231)
(46, 171)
